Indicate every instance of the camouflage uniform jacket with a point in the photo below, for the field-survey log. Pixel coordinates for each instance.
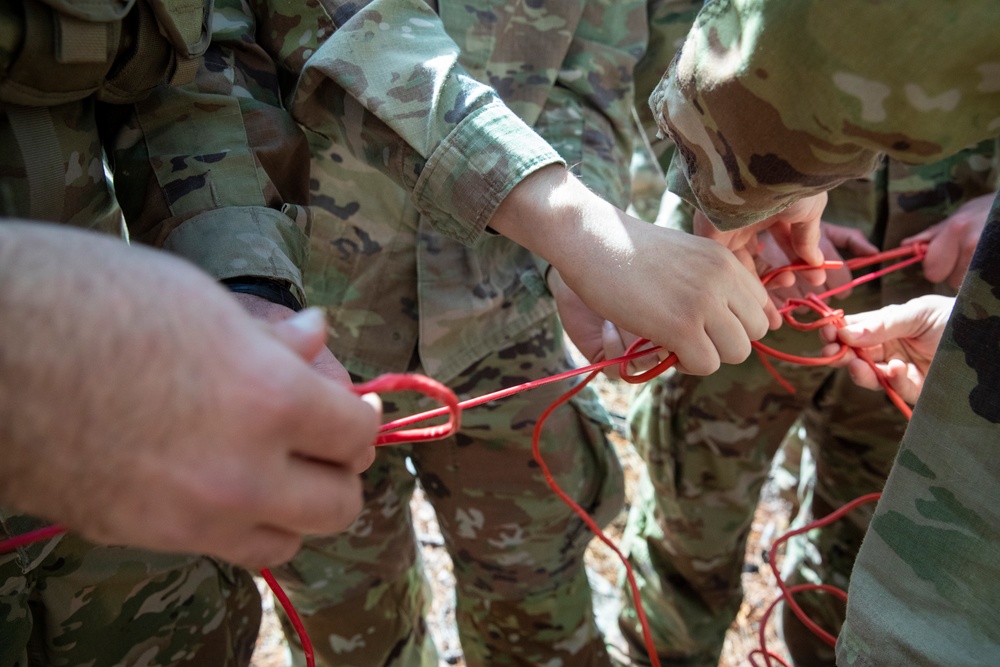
(205, 162)
(749, 147)
(770, 101)
(425, 118)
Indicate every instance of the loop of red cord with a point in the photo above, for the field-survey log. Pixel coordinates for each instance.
(451, 406)
(424, 385)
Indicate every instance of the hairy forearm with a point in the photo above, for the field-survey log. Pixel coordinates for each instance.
(140, 404)
(66, 298)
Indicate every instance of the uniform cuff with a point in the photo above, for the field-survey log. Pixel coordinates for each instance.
(472, 171)
(243, 241)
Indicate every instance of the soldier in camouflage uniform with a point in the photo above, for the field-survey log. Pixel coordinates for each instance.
(422, 122)
(403, 297)
(204, 170)
(924, 584)
(709, 442)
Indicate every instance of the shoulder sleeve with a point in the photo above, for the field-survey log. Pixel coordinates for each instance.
(771, 101)
(216, 170)
(382, 79)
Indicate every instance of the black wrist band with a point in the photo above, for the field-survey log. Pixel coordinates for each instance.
(270, 289)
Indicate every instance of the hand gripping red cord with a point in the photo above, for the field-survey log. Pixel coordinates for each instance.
(391, 382)
(827, 315)
(452, 407)
(914, 253)
(386, 383)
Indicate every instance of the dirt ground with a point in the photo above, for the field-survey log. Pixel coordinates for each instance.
(770, 521)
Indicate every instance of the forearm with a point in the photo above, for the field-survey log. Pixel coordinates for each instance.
(29, 273)
(555, 216)
(72, 339)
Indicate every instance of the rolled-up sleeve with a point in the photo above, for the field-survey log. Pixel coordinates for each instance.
(383, 80)
(216, 170)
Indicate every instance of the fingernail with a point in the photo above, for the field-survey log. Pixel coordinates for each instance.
(307, 320)
(373, 400)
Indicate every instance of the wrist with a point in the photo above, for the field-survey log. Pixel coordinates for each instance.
(530, 213)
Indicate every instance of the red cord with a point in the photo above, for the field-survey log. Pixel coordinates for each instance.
(510, 391)
(828, 315)
(586, 518)
(787, 593)
(761, 631)
(452, 407)
(293, 616)
(18, 541)
(425, 385)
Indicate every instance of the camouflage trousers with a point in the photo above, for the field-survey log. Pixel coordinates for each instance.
(708, 443)
(68, 602)
(522, 596)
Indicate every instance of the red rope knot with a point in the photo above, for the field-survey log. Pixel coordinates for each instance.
(827, 315)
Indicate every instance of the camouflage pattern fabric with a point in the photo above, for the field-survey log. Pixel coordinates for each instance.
(669, 22)
(522, 592)
(421, 119)
(210, 171)
(747, 148)
(454, 87)
(70, 602)
(824, 99)
(709, 442)
(438, 115)
(220, 170)
(925, 581)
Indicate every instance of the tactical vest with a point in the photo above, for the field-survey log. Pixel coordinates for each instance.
(115, 50)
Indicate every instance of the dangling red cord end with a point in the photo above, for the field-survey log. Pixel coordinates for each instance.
(536, 451)
(23, 540)
(787, 593)
(293, 616)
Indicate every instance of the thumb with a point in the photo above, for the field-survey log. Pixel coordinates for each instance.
(304, 332)
(880, 326)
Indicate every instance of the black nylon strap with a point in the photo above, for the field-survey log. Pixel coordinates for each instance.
(274, 291)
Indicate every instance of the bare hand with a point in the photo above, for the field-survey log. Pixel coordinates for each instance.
(952, 242)
(685, 293)
(796, 230)
(833, 240)
(596, 338)
(900, 339)
(151, 410)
